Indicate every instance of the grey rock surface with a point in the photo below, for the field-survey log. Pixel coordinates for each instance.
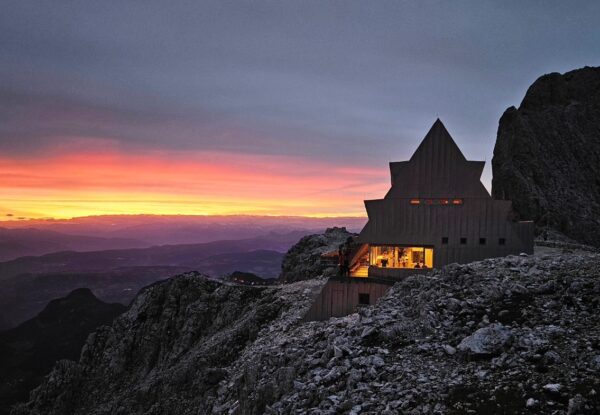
(192, 346)
(486, 341)
(547, 154)
(303, 260)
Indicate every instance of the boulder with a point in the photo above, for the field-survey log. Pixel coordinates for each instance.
(487, 341)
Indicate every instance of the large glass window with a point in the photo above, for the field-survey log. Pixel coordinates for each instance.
(390, 256)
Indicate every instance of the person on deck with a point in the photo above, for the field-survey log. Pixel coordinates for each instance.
(342, 262)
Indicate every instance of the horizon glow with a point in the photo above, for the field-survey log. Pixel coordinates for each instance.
(90, 183)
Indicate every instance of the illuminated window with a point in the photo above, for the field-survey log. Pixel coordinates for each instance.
(501, 241)
(482, 241)
(444, 202)
(390, 256)
(463, 241)
(444, 240)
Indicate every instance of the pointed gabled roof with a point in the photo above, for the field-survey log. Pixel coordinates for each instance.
(438, 139)
(437, 169)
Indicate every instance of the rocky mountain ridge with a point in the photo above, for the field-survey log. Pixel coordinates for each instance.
(547, 154)
(506, 335)
(15, 243)
(304, 259)
(170, 349)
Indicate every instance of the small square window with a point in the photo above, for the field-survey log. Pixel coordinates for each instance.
(364, 299)
(463, 241)
(502, 241)
(444, 240)
(482, 241)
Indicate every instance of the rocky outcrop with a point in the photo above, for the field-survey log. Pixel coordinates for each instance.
(304, 260)
(170, 352)
(547, 154)
(532, 316)
(189, 345)
(29, 351)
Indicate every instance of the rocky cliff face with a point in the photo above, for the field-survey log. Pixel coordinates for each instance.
(547, 155)
(303, 260)
(172, 350)
(508, 335)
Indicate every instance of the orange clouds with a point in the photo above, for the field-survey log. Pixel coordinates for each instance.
(82, 183)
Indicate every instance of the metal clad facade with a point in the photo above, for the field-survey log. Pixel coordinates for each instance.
(340, 297)
(439, 171)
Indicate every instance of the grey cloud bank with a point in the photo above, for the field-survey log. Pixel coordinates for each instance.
(349, 82)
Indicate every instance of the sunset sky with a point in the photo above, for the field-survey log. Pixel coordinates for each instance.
(275, 108)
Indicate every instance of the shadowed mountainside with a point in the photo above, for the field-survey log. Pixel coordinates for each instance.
(547, 155)
(183, 335)
(28, 352)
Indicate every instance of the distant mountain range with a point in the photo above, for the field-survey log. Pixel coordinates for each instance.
(28, 283)
(180, 229)
(29, 351)
(115, 256)
(190, 256)
(15, 243)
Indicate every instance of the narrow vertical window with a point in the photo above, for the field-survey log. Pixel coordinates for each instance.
(444, 240)
(482, 241)
(463, 241)
(502, 241)
(364, 299)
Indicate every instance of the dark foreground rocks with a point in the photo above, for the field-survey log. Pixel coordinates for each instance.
(547, 154)
(170, 352)
(512, 335)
